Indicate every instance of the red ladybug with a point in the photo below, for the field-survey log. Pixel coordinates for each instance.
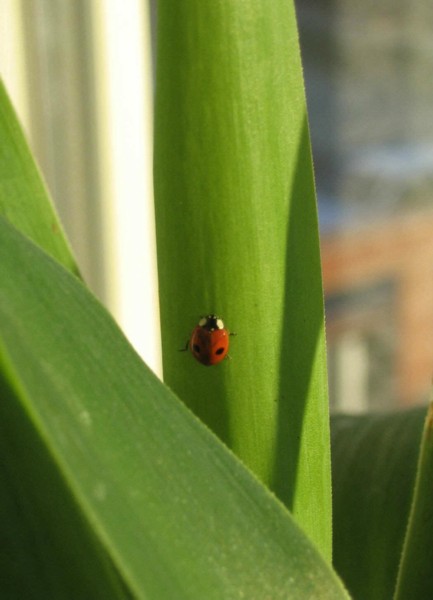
(209, 342)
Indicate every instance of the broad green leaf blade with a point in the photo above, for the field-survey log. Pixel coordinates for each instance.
(237, 236)
(24, 200)
(415, 578)
(176, 514)
(48, 549)
(374, 462)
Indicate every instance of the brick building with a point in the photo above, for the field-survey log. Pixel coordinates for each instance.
(369, 74)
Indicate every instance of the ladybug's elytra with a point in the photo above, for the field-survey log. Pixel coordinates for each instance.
(209, 342)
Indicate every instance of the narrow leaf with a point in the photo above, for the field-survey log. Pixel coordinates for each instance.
(415, 578)
(24, 200)
(373, 463)
(237, 236)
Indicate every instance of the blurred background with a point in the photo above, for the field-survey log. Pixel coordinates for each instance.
(80, 73)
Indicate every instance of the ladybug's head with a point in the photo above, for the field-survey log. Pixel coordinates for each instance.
(211, 323)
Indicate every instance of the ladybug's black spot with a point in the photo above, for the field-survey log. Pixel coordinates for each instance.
(219, 351)
(196, 348)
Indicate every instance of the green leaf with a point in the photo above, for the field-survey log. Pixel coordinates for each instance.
(24, 200)
(97, 450)
(415, 579)
(237, 236)
(374, 463)
(48, 548)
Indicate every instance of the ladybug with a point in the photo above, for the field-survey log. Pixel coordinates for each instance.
(209, 341)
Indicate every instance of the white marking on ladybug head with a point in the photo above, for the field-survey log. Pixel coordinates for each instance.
(202, 322)
(219, 324)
